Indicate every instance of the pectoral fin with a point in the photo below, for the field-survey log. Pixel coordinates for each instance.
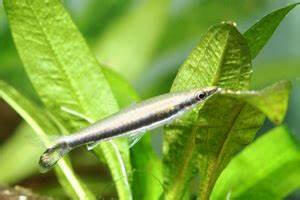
(134, 138)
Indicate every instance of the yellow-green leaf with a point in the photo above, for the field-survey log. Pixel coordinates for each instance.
(267, 169)
(258, 35)
(206, 139)
(64, 72)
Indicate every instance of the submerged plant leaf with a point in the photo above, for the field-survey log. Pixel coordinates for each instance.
(267, 169)
(37, 118)
(129, 43)
(146, 167)
(222, 59)
(206, 139)
(272, 101)
(258, 35)
(65, 73)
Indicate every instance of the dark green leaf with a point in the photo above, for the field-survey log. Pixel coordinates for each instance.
(266, 169)
(65, 73)
(258, 35)
(37, 118)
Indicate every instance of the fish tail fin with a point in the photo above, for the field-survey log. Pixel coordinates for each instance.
(52, 155)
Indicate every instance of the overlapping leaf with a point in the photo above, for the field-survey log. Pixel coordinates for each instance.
(266, 169)
(65, 73)
(41, 124)
(207, 138)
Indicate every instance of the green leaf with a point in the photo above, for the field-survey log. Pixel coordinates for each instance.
(147, 168)
(122, 90)
(272, 101)
(206, 139)
(128, 44)
(266, 169)
(258, 35)
(222, 58)
(65, 73)
(13, 150)
(37, 118)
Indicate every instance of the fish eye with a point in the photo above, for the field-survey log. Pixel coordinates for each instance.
(201, 95)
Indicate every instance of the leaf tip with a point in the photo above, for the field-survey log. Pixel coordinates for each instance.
(231, 23)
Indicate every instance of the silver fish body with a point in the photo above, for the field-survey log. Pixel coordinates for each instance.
(135, 119)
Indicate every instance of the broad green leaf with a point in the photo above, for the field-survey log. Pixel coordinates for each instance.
(222, 58)
(272, 101)
(147, 171)
(37, 118)
(218, 142)
(13, 150)
(266, 169)
(258, 35)
(128, 44)
(65, 73)
(206, 139)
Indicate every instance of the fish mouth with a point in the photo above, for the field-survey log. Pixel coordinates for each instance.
(212, 90)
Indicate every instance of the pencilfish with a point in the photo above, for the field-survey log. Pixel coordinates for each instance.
(132, 122)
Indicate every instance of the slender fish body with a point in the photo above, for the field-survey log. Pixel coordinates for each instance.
(131, 121)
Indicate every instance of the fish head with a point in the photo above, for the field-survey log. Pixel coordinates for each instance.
(205, 93)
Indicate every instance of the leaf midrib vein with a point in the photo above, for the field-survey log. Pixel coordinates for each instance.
(75, 94)
(221, 152)
(181, 170)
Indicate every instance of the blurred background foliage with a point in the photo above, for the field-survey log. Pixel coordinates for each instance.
(145, 41)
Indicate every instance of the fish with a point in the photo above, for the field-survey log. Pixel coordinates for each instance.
(131, 122)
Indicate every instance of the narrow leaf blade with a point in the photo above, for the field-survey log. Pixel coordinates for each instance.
(42, 125)
(266, 169)
(259, 34)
